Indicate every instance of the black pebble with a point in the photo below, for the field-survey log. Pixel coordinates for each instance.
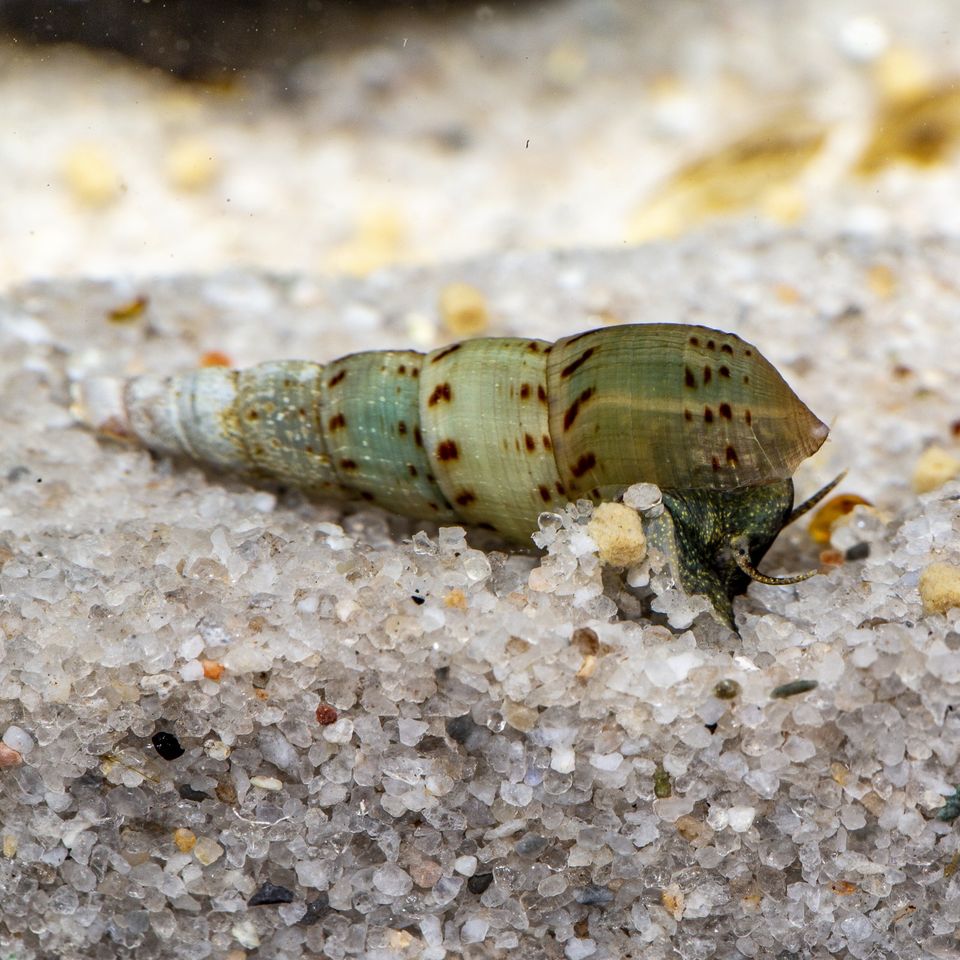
(270, 893)
(460, 728)
(316, 911)
(418, 600)
(167, 745)
(859, 551)
(188, 793)
(479, 882)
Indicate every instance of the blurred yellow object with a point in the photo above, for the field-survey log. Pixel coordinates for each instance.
(192, 165)
(921, 130)
(934, 468)
(836, 507)
(90, 175)
(758, 171)
(376, 243)
(463, 310)
(901, 73)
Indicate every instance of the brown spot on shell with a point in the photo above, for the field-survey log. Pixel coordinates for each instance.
(541, 393)
(402, 428)
(572, 368)
(694, 341)
(544, 493)
(252, 415)
(402, 369)
(547, 445)
(347, 464)
(441, 391)
(732, 456)
(689, 379)
(453, 348)
(716, 464)
(748, 353)
(337, 378)
(415, 372)
(465, 498)
(707, 415)
(726, 348)
(711, 345)
(367, 495)
(411, 469)
(687, 415)
(746, 379)
(448, 450)
(586, 462)
(561, 489)
(417, 437)
(725, 411)
(337, 422)
(531, 444)
(707, 375)
(724, 371)
(748, 416)
(533, 346)
(524, 391)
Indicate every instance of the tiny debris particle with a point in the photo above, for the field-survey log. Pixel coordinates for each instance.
(129, 311)
(793, 688)
(215, 358)
(479, 882)
(859, 551)
(935, 467)
(672, 899)
(726, 689)
(9, 757)
(266, 783)
(463, 310)
(326, 714)
(940, 587)
(843, 888)
(188, 793)
(226, 792)
(212, 670)
(586, 641)
(618, 533)
(662, 785)
(419, 601)
(951, 808)
(831, 558)
(456, 599)
(167, 745)
(269, 893)
(185, 839)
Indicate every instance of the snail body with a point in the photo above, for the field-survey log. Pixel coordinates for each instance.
(492, 432)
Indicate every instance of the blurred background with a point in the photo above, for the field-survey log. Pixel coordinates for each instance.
(167, 137)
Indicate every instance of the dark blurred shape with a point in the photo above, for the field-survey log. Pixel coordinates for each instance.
(211, 39)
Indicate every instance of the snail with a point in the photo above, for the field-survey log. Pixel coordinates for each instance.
(492, 432)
